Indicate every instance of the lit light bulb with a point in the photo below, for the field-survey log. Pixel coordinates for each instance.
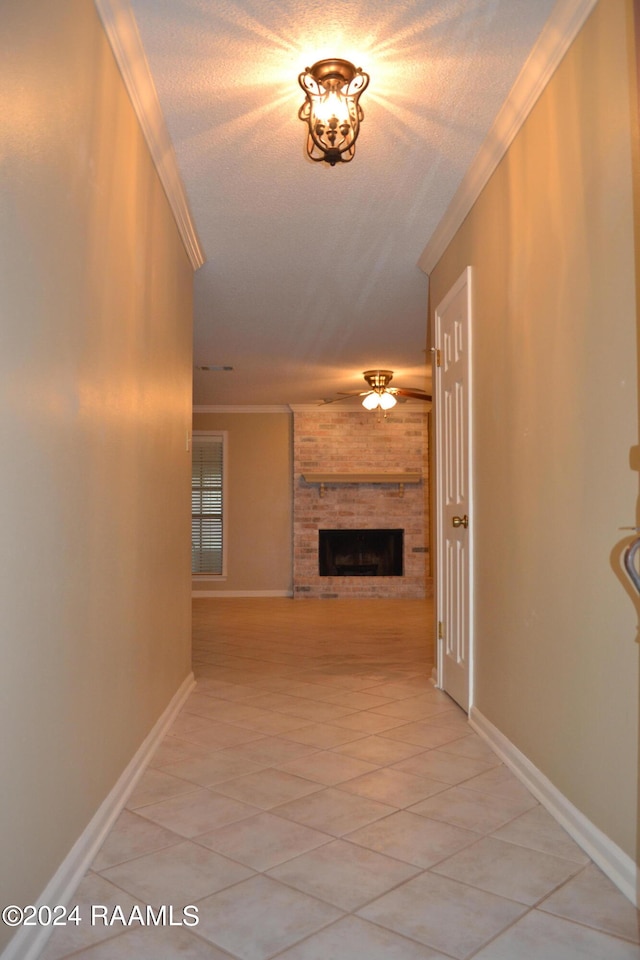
(371, 401)
(332, 106)
(387, 400)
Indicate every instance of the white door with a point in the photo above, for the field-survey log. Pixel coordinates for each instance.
(454, 516)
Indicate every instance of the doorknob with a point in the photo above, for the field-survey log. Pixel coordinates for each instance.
(461, 521)
(629, 556)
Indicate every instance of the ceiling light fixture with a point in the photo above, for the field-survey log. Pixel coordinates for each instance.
(380, 395)
(378, 380)
(331, 109)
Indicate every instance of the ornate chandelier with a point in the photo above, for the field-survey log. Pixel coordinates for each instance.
(331, 109)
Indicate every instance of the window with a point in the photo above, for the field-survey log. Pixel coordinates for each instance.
(207, 504)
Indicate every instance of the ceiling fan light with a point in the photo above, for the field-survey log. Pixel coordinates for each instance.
(371, 401)
(387, 400)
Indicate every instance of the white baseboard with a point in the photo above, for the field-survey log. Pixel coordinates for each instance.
(614, 862)
(29, 941)
(240, 593)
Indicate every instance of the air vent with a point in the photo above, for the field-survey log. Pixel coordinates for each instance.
(212, 366)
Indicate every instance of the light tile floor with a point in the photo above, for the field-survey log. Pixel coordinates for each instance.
(318, 799)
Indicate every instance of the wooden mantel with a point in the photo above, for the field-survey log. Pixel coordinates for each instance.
(336, 478)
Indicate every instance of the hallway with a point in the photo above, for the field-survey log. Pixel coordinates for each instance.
(318, 799)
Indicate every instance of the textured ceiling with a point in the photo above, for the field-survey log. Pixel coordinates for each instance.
(311, 274)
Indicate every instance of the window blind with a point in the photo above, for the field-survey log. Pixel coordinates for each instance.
(207, 505)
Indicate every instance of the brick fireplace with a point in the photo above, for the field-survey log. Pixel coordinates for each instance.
(329, 441)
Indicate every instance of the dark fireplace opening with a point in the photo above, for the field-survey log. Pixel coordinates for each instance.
(360, 553)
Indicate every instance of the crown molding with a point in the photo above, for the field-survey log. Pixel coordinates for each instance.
(122, 33)
(558, 33)
(241, 408)
(352, 407)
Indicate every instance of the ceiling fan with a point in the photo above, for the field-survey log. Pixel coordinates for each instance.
(380, 393)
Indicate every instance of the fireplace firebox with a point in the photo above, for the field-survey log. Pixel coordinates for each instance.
(360, 553)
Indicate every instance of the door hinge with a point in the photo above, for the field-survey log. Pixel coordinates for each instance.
(437, 356)
(440, 630)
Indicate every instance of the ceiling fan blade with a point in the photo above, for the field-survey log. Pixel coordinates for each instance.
(344, 396)
(414, 394)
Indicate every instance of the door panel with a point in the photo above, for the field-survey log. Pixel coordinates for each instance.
(453, 491)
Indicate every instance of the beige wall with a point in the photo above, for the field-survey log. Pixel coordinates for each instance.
(259, 502)
(95, 300)
(555, 416)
